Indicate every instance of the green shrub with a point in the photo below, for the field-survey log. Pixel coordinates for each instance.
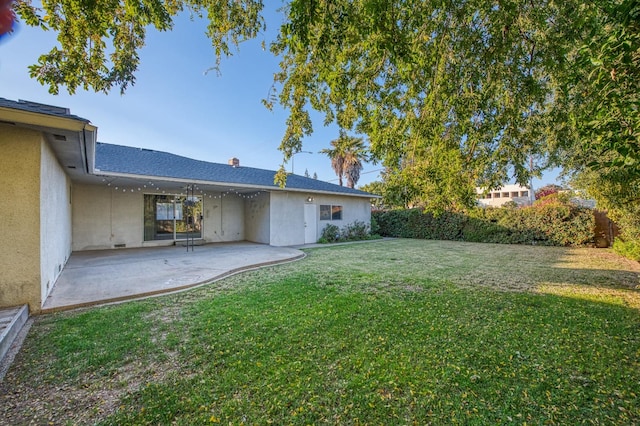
(330, 234)
(375, 228)
(414, 223)
(629, 249)
(628, 220)
(392, 223)
(352, 232)
(552, 222)
(355, 231)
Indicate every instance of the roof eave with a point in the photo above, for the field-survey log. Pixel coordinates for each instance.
(231, 185)
(42, 120)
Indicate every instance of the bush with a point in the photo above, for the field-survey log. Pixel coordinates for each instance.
(355, 231)
(629, 249)
(330, 234)
(553, 222)
(375, 228)
(414, 223)
(628, 219)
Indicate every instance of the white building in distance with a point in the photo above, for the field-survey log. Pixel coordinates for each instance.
(521, 195)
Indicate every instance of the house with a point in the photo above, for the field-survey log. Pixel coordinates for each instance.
(66, 192)
(521, 195)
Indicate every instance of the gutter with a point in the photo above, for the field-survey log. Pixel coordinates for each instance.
(89, 139)
(42, 120)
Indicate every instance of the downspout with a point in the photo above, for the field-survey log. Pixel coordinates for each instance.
(84, 146)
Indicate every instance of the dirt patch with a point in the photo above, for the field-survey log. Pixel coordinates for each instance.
(83, 401)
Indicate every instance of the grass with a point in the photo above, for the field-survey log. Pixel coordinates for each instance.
(394, 332)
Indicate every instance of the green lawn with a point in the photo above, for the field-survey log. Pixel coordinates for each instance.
(391, 332)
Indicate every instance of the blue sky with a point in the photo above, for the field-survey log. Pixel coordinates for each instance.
(176, 106)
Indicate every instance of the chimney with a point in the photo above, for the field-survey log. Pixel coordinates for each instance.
(234, 162)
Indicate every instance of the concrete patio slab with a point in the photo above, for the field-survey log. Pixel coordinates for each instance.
(106, 276)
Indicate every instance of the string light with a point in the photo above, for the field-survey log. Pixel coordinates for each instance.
(202, 192)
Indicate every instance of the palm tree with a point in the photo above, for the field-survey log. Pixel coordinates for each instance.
(336, 154)
(352, 169)
(346, 156)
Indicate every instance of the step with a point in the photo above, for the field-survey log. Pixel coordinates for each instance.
(11, 322)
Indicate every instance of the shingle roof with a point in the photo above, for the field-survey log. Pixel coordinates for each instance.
(146, 162)
(39, 108)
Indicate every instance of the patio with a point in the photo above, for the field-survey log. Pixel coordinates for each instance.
(107, 276)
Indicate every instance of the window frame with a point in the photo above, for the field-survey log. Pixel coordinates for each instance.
(331, 212)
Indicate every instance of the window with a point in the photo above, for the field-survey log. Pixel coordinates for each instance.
(172, 217)
(329, 212)
(524, 193)
(336, 212)
(325, 212)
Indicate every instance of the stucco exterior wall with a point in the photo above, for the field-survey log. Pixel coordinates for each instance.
(104, 218)
(55, 219)
(287, 218)
(287, 215)
(20, 210)
(257, 218)
(353, 209)
(224, 219)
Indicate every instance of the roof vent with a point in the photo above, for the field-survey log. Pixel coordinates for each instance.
(234, 162)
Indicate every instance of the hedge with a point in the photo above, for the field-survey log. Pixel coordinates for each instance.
(548, 224)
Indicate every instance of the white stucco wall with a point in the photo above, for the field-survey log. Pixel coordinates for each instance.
(287, 215)
(232, 218)
(257, 218)
(104, 218)
(55, 219)
(353, 209)
(286, 223)
(224, 218)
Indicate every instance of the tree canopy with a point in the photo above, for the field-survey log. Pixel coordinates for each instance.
(450, 94)
(100, 39)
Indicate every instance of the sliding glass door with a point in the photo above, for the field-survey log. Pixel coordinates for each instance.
(172, 217)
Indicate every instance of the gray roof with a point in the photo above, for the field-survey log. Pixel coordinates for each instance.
(40, 109)
(146, 162)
